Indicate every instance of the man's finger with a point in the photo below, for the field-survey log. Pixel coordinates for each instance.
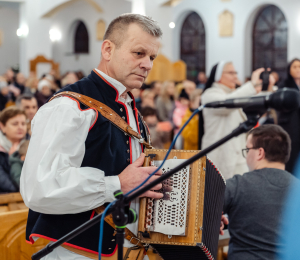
(151, 169)
(153, 194)
(157, 187)
(139, 161)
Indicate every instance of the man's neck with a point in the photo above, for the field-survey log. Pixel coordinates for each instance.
(267, 164)
(105, 70)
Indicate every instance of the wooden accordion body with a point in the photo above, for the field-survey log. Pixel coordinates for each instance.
(193, 212)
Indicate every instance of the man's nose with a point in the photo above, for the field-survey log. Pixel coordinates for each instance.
(146, 63)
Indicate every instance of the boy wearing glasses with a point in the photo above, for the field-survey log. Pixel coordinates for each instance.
(254, 201)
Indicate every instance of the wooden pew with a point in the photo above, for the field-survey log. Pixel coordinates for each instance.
(12, 237)
(11, 201)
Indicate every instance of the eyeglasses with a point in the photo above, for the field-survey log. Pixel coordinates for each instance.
(232, 73)
(246, 151)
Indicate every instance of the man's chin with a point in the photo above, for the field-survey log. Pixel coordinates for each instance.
(135, 84)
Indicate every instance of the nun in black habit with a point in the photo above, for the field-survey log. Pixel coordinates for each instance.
(290, 122)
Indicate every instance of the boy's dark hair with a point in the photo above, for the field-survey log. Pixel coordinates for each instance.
(183, 94)
(274, 140)
(26, 96)
(148, 111)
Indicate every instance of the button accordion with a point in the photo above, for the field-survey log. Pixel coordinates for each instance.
(187, 225)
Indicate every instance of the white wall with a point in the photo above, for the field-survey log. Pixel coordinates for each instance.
(237, 48)
(9, 50)
(63, 21)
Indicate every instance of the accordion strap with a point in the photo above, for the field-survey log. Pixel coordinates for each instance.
(132, 238)
(106, 112)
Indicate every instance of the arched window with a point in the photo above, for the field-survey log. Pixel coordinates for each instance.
(270, 40)
(81, 39)
(192, 50)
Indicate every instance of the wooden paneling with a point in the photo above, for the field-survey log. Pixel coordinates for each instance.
(164, 70)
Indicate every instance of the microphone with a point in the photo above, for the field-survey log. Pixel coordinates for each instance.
(285, 100)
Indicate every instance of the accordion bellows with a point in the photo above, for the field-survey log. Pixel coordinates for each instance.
(187, 225)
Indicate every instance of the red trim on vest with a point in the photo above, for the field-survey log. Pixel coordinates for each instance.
(93, 213)
(29, 242)
(71, 245)
(138, 125)
(86, 110)
(117, 97)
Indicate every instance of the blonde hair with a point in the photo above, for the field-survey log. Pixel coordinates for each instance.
(146, 93)
(164, 90)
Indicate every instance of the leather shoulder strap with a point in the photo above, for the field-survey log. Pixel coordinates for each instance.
(106, 112)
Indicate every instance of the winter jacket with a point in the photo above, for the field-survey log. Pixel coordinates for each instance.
(6, 183)
(16, 165)
(190, 132)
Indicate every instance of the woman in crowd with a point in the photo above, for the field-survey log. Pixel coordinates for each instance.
(44, 92)
(147, 98)
(165, 103)
(13, 131)
(219, 122)
(290, 122)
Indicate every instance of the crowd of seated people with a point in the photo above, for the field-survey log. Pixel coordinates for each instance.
(20, 99)
(165, 107)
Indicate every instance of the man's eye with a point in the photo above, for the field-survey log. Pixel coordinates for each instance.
(139, 53)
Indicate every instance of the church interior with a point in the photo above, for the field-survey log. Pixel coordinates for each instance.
(46, 45)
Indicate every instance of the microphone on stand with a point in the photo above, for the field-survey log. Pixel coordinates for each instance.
(285, 100)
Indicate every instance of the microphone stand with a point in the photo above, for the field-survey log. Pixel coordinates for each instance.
(120, 209)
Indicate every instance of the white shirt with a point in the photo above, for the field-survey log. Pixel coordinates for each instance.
(52, 181)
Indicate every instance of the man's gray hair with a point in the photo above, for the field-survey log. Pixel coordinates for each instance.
(117, 28)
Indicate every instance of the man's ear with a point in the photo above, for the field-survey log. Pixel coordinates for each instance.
(261, 154)
(107, 50)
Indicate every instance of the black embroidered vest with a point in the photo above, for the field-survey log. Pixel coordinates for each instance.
(106, 148)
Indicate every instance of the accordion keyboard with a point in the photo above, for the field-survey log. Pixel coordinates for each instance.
(169, 216)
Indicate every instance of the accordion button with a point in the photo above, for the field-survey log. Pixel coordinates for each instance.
(109, 248)
(141, 131)
(123, 117)
(128, 151)
(127, 142)
(121, 109)
(128, 160)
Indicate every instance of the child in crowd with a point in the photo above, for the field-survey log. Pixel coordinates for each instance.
(160, 132)
(191, 131)
(16, 161)
(148, 98)
(182, 105)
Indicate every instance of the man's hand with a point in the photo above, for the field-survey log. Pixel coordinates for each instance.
(272, 82)
(224, 221)
(255, 79)
(134, 174)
